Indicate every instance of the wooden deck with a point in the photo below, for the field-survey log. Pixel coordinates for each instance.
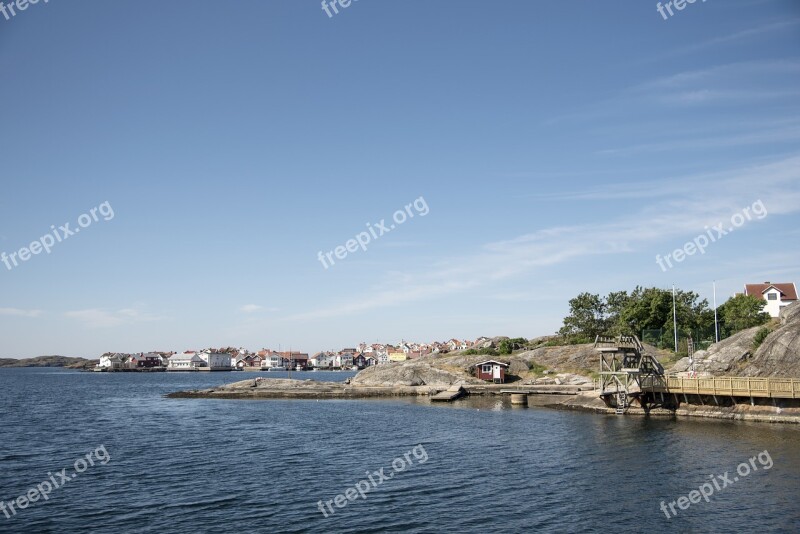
(449, 395)
(777, 388)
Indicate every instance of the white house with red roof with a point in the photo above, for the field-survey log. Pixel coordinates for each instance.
(777, 296)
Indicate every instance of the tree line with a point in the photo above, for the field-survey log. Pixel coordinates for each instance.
(623, 313)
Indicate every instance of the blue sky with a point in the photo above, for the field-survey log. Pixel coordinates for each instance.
(559, 146)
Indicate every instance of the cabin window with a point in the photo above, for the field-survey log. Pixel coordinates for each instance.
(772, 296)
(487, 369)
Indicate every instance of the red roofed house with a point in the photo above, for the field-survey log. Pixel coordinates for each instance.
(776, 295)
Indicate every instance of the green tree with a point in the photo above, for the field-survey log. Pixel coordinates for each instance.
(646, 308)
(586, 319)
(742, 312)
(616, 303)
(652, 308)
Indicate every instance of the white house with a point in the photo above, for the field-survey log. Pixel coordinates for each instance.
(274, 361)
(216, 361)
(777, 296)
(322, 361)
(188, 361)
(343, 360)
(110, 362)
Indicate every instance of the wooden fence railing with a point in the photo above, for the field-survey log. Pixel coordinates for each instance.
(782, 388)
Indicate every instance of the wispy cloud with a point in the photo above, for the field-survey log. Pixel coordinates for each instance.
(731, 84)
(100, 318)
(719, 141)
(777, 176)
(681, 209)
(742, 35)
(16, 312)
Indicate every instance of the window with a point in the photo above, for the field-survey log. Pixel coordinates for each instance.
(772, 296)
(486, 369)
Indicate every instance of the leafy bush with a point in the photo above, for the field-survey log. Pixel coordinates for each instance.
(536, 368)
(761, 335)
(507, 346)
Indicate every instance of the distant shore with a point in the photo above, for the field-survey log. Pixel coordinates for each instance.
(66, 362)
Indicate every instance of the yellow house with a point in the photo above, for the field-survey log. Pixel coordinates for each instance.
(397, 357)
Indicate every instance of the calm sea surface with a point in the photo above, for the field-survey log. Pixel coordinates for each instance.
(191, 466)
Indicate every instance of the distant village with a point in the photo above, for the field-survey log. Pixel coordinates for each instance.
(240, 359)
(775, 297)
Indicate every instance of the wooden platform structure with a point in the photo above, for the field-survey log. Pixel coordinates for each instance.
(449, 395)
(625, 370)
(628, 374)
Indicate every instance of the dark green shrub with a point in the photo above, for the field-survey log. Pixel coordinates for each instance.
(761, 335)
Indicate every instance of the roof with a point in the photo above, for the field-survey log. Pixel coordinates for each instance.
(491, 361)
(188, 357)
(149, 355)
(788, 290)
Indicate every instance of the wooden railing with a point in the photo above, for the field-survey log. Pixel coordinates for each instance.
(781, 388)
(616, 343)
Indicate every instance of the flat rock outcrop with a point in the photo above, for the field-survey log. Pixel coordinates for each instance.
(411, 373)
(268, 388)
(564, 358)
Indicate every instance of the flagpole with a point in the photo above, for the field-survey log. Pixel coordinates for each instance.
(674, 319)
(716, 324)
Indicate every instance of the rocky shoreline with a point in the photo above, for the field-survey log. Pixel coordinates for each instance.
(557, 386)
(554, 397)
(301, 389)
